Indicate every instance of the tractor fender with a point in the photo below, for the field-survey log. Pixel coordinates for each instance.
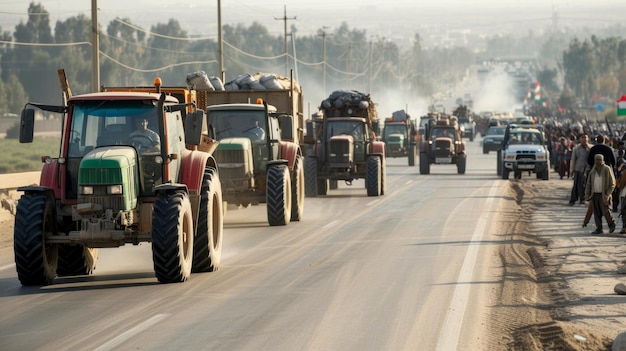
(377, 147)
(37, 189)
(289, 151)
(192, 168)
(50, 178)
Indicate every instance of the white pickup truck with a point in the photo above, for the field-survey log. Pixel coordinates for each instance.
(524, 150)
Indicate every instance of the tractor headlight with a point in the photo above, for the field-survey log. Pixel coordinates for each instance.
(86, 190)
(114, 189)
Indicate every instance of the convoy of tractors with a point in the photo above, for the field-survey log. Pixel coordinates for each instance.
(160, 164)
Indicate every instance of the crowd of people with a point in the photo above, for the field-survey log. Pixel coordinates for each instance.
(592, 154)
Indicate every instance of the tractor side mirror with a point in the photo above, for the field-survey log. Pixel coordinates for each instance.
(286, 127)
(193, 127)
(27, 125)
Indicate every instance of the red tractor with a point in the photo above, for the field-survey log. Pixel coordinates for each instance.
(114, 184)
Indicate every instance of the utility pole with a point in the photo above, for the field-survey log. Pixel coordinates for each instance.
(285, 19)
(95, 48)
(369, 71)
(220, 42)
(324, 56)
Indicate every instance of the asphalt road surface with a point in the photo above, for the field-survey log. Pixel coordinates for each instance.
(410, 270)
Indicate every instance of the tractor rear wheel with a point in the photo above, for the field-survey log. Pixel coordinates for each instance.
(424, 163)
(35, 260)
(76, 260)
(499, 163)
(278, 195)
(297, 190)
(310, 176)
(412, 152)
(207, 244)
(373, 176)
(172, 237)
(461, 162)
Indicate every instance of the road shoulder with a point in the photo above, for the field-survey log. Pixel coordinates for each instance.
(557, 280)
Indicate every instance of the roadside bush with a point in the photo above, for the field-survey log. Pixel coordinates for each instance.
(14, 131)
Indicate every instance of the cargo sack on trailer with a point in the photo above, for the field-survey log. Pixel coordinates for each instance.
(216, 82)
(199, 80)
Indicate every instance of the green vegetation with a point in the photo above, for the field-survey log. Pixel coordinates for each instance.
(16, 157)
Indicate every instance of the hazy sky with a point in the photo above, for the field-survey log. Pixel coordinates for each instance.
(310, 15)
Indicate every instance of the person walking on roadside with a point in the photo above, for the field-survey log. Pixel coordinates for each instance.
(620, 184)
(578, 169)
(600, 185)
(601, 148)
(563, 152)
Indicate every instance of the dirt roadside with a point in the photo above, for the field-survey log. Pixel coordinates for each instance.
(557, 280)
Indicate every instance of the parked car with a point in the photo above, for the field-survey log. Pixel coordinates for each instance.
(493, 139)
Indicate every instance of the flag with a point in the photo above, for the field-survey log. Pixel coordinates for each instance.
(561, 109)
(538, 96)
(537, 87)
(621, 106)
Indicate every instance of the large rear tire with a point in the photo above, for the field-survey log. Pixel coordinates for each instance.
(333, 184)
(545, 174)
(297, 190)
(412, 156)
(278, 195)
(424, 163)
(207, 244)
(172, 237)
(499, 163)
(310, 177)
(461, 163)
(373, 176)
(323, 185)
(76, 260)
(35, 260)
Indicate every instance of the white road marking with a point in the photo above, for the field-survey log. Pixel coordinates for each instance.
(331, 224)
(116, 341)
(408, 182)
(451, 329)
(371, 203)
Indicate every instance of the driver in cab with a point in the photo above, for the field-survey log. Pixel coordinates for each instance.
(254, 132)
(143, 138)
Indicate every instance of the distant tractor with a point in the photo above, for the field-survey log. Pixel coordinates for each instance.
(115, 184)
(443, 144)
(400, 137)
(344, 145)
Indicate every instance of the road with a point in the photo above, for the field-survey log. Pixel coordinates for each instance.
(409, 270)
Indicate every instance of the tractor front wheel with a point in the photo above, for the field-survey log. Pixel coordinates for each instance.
(35, 260)
(172, 237)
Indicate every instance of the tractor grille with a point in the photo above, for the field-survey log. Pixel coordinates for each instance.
(443, 148)
(112, 202)
(341, 152)
(233, 164)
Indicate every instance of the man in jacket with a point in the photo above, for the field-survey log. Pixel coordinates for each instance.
(578, 168)
(598, 190)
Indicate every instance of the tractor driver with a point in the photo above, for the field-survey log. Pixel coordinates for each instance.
(254, 132)
(143, 138)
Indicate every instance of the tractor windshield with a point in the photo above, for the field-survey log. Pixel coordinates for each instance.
(354, 128)
(239, 123)
(105, 123)
(394, 129)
